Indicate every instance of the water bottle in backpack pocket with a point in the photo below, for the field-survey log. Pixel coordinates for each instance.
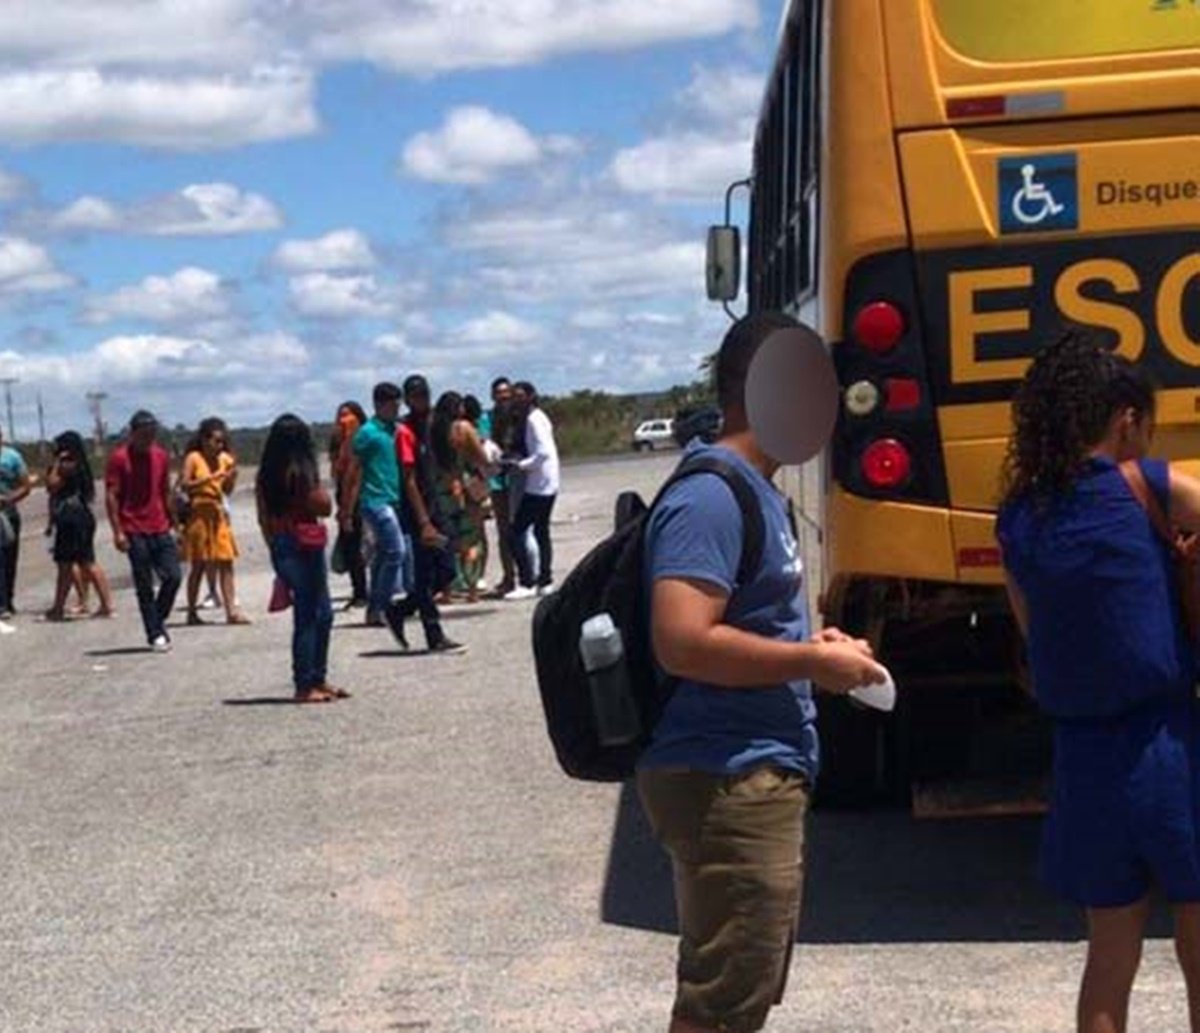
(602, 650)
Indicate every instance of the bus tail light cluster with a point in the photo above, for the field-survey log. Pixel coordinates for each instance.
(888, 445)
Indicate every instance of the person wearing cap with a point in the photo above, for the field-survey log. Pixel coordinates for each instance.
(15, 485)
(137, 485)
(373, 485)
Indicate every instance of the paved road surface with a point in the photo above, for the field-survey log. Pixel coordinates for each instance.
(180, 853)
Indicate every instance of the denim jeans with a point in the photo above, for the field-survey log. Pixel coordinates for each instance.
(155, 556)
(8, 563)
(389, 578)
(304, 572)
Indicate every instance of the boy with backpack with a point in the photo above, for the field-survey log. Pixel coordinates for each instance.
(726, 776)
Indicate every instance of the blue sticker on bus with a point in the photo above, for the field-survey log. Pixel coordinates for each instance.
(1039, 194)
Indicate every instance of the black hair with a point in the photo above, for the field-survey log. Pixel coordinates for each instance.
(415, 384)
(737, 353)
(335, 434)
(359, 412)
(500, 382)
(472, 408)
(142, 418)
(526, 388)
(384, 393)
(288, 470)
(445, 414)
(1063, 409)
(506, 422)
(82, 481)
(208, 427)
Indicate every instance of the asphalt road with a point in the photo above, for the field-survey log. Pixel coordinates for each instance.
(182, 851)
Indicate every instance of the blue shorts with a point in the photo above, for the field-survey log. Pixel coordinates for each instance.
(1125, 810)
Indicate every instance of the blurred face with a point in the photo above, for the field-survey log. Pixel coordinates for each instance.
(502, 393)
(215, 443)
(521, 398)
(141, 438)
(418, 402)
(389, 411)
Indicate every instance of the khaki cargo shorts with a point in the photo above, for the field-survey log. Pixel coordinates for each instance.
(736, 844)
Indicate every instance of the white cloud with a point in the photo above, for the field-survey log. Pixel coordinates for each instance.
(418, 36)
(498, 328)
(581, 250)
(188, 296)
(322, 296)
(27, 268)
(187, 113)
(339, 250)
(476, 145)
(707, 148)
(87, 214)
(199, 210)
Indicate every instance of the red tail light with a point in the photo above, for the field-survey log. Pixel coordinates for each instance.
(886, 464)
(879, 326)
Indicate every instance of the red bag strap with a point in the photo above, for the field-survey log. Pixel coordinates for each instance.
(1132, 472)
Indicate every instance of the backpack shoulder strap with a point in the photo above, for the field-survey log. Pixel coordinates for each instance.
(754, 532)
(1140, 489)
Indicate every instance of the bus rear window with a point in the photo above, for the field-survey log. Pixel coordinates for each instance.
(1005, 31)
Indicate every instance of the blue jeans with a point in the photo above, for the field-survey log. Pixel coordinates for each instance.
(155, 556)
(303, 571)
(389, 568)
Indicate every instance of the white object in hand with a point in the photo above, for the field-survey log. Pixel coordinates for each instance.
(880, 696)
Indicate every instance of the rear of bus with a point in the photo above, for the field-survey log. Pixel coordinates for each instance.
(989, 173)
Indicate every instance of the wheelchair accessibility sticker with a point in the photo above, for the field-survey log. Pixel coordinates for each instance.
(1040, 194)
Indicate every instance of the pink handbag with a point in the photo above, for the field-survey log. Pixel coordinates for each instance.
(281, 597)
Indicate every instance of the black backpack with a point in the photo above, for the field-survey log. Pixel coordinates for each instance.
(611, 579)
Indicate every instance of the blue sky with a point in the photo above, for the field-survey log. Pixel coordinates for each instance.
(245, 206)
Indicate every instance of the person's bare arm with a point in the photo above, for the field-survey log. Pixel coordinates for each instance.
(1185, 501)
(260, 508)
(112, 505)
(351, 490)
(470, 446)
(21, 491)
(691, 641)
(190, 478)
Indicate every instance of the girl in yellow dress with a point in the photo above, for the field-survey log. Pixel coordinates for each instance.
(209, 475)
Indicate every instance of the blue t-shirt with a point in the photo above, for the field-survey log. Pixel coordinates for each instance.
(696, 533)
(12, 469)
(375, 448)
(1105, 631)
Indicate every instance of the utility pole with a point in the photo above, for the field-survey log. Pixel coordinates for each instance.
(41, 428)
(96, 405)
(8, 383)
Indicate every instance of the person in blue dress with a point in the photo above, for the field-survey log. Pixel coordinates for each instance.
(1092, 586)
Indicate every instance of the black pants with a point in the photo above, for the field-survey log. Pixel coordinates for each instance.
(154, 556)
(429, 570)
(534, 511)
(501, 510)
(352, 553)
(8, 563)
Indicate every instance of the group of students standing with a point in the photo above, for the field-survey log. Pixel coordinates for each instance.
(144, 508)
(412, 495)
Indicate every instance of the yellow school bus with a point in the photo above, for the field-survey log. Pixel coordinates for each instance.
(937, 186)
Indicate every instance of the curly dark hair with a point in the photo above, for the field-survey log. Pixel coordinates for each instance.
(1063, 409)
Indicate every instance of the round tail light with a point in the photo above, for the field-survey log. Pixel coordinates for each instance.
(886, 464)
(879, 326)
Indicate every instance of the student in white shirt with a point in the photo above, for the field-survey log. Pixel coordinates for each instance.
(540, 469)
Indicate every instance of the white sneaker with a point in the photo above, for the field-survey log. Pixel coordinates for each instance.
(210, 603)
(519, 593)
(162, 644)
(7, 629)
(545, 590)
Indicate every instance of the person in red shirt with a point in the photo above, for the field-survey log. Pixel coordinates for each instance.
(138, 500)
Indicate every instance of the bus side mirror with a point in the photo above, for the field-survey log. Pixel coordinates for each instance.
(724, 269)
